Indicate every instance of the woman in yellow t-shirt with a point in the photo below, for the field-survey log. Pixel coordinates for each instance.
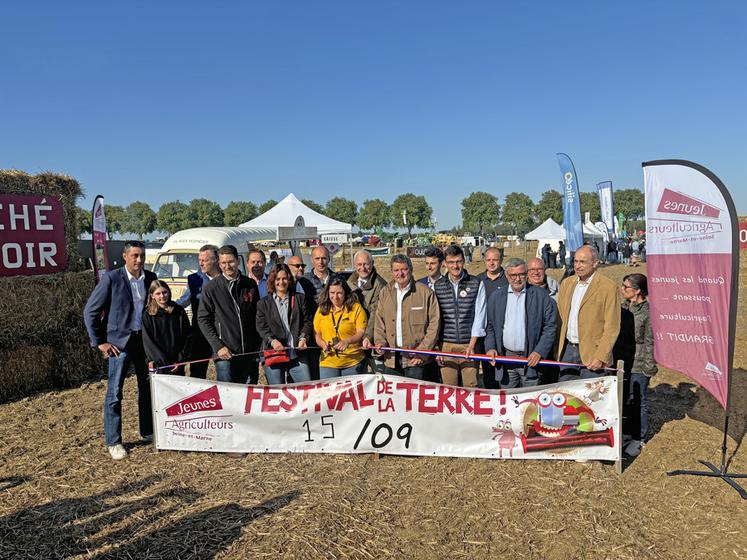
(339, 326)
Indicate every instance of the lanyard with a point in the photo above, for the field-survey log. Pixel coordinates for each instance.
(337, 324)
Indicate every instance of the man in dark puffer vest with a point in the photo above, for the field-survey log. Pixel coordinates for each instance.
(461, 298)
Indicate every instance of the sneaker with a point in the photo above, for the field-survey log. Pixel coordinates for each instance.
(118, 452)
(634, 448)
(626, 439)
(148, 438)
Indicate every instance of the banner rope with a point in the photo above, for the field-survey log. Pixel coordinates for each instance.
(256, 352)
(481, 357)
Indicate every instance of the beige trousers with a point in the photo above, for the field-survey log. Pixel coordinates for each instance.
(452, 367)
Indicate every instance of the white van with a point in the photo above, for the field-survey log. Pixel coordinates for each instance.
(177, 259)
(471, 241)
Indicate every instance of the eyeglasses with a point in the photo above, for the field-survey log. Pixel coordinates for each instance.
(297, 265)
(624, 287)
(517, 275)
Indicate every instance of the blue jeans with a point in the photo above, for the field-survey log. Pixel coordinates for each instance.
(134, 354)
(297, 368)
(241, 369)
(636, 405)
(328, 372)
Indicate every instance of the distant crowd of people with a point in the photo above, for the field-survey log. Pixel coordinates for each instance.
(630, 251)
(303, 325)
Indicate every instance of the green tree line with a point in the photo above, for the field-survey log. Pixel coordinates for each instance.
(481, 213)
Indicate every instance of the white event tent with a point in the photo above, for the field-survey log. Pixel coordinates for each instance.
(285, 212)
(550, 232)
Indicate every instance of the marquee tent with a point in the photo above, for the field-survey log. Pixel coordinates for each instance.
(547, 231)
(285, 212)
(550, 232)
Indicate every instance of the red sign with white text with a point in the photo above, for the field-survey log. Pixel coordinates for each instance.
(743, 235)
(203, 401)
(32, 235)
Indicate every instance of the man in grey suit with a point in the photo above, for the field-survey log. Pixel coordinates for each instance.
(113, 318)
(521, 322)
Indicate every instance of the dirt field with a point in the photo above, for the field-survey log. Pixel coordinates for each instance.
(61, 496)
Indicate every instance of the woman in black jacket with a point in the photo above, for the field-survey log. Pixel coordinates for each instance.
(284, 323)
(167, 334)
(635, 346)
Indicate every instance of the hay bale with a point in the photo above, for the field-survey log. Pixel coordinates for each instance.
(25, 369)
(63, 188)
(43, 341)
(45, 312)
(36, 310)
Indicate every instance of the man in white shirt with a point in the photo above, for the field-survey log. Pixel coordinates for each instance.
(113, 318)
(589, 310)
(407, 317)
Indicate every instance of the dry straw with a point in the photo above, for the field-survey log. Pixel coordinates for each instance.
(42, 338)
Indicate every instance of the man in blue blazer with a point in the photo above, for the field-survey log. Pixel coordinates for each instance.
(521, 322)
(113, 317)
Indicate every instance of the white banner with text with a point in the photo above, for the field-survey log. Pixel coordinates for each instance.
(389, 414)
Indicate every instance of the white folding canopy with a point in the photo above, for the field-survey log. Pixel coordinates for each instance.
(285, 212)
(550, 232)
(547, 230)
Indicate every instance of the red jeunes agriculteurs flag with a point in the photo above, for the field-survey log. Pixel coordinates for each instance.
(692, 249)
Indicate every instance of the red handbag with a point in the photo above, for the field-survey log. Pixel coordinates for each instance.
(276, 357)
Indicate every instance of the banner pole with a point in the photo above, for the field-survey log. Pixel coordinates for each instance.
(620, 376)
(151, 375)
(723, 444)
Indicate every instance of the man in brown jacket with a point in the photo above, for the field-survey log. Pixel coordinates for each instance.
(589, 311)
(407, 317)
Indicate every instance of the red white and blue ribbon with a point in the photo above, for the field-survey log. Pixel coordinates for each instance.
(479, 357)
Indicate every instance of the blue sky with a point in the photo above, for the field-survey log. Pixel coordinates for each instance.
(156, 101)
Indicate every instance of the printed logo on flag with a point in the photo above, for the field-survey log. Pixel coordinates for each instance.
(204, 401)
(673, 202)
(679, 230)
(569, 192)
(712, 369)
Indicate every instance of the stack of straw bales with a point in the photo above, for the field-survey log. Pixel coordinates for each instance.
(43, 343)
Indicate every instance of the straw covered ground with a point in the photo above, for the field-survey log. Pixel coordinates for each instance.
(61, 495)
